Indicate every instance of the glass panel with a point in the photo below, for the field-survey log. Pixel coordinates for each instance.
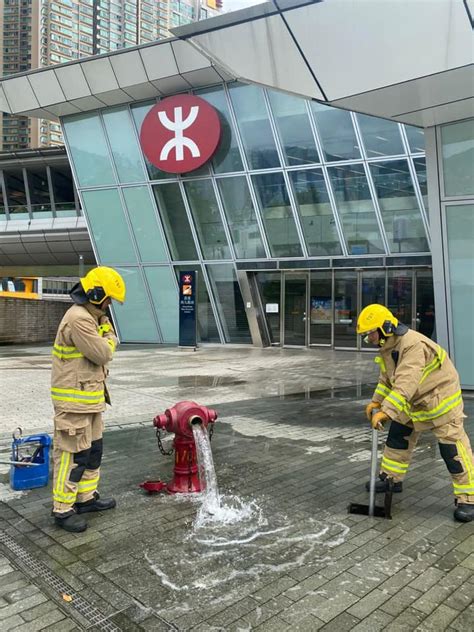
(458, 157)
(241, 218)
(164, 294)
(336, 132)
(269, 286)
(399, 295)
(460, 229)
(86, 141)
(39, 192)
(16, 194)
(295, 310)
(277, 216)
(63, 191)
(227, 157)
(175, 222)
(345, 309)
(229, 302)
(381, 137)
(425, 307)
(420, 168)
(206, 323)
(207, 219)
(254, 126)
(373, 291)
(124, 145)
(144, 224)
(416, 138)
(135, 317)
(356, 209)
(320, 305)
(399, 207)
(317, 219)
(138, 114)
(109, 227)
(294, 129)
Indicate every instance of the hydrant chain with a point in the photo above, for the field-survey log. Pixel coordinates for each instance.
(160, 444)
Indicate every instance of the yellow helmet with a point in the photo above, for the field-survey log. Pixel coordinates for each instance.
(374, 317)
(101, 283)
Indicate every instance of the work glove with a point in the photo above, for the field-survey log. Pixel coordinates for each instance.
(371, 407)
(104, 329)
(378, 420)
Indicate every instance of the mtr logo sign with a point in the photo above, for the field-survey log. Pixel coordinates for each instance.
(179, 134)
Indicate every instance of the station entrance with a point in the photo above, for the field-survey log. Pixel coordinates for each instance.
(320, 307)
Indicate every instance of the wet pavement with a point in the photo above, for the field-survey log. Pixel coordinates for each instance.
(284, 553)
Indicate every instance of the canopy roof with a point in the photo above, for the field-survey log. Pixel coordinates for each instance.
(406, 60)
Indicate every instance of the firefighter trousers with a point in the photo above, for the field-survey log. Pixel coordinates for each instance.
(454, 447)
(77, 455)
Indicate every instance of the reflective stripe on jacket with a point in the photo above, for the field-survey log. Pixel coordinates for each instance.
(417, 381)
(84, 345)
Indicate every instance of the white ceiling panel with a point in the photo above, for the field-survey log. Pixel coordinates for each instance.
(40, 113)
(128, 68)
(72, 80)
(46, 87)
(441, 114)
(63, 109)
(4, 106)
(142, 91)
(100, 75)
(159, 61)
(20, 94)
(348, 42)
(262, 52)
(88, 103)
(203, 77)
(419, 94)
(168, 85)
(188, 58)
(114, 97)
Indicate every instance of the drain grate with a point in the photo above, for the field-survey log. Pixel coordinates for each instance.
(35, 567)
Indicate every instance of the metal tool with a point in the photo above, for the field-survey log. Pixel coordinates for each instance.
(372, 509)
(23, 463)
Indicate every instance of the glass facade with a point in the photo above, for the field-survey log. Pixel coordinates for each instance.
(293, 183)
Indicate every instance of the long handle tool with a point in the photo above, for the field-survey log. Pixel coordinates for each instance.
(372, 509)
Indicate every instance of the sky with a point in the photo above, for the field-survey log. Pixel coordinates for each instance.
(233, 5)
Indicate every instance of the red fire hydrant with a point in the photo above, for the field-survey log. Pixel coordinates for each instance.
(180, 420)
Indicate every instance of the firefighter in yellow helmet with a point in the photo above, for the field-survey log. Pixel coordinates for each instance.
(85, 343)
(418, 390)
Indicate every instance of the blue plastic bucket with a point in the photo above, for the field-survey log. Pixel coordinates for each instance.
(33, 449)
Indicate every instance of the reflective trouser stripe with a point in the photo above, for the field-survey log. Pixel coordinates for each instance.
(382, 390)
(394, 466)
(87, 485)
(469, 487)
(444, 407)
(59, 495)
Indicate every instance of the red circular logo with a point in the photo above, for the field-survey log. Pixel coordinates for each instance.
(181, 133)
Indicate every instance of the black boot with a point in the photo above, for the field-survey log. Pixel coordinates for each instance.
(381, 486)
(95, 504)
(70, 522)
(464, 512)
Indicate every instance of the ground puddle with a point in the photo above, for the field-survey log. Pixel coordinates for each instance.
(233, 545)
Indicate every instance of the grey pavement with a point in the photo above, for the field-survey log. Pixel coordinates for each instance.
(291, 450)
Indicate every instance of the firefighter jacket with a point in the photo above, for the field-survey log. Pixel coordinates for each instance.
(84, 345)
(417, 382)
